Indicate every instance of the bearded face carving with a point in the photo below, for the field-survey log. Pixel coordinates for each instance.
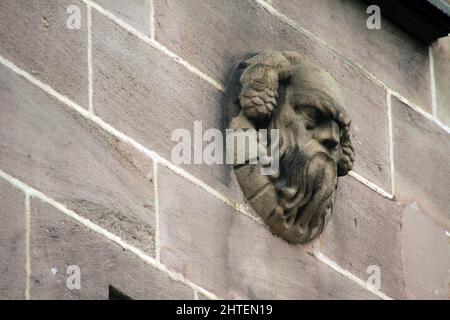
(284, 91)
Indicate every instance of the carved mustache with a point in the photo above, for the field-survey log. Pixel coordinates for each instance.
(305, 196)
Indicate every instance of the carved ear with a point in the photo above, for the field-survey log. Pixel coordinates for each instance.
(345, 164)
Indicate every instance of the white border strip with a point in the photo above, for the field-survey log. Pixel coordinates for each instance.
(27, 246)
(391, 141)
(195, 294)
(152, 20)
(156, 204)
(371, 185)
(433, 82)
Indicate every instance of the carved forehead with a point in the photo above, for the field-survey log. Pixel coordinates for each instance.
(311, 85)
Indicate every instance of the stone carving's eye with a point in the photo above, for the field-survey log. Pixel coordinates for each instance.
(312, 114)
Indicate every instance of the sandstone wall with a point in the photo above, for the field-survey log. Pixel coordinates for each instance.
(86, 117)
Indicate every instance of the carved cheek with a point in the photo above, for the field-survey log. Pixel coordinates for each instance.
(292, 126)
(298, 126)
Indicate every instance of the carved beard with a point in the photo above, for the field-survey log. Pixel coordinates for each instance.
(304, 197)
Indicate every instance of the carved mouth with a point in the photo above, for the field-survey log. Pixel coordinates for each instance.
(309, 219)
(301, 216)
(311, 216)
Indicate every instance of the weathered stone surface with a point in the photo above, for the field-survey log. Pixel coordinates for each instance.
(201, 296)
(421, 153)
(34, 36)
(12, 242)
(426, 253)
(232, 256)
(364, 230)
(342, 25)
(55, 150)
(229, 31)
(134, 12)
(58, 241)
(144, 93)
(441, 57)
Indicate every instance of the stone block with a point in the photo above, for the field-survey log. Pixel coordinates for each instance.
(60, 244)
(441, 58)
(34, 35)
(70, 159)
(426, 253)
(421, 153)
(12, 239)
(364, 231)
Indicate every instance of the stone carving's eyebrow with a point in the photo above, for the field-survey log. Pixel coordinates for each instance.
(329, 110)
(324, 110)
(322, 102)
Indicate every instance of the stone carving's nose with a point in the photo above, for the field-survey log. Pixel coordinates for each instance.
(328, 135)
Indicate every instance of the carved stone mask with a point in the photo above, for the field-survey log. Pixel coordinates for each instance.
(284, 91)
